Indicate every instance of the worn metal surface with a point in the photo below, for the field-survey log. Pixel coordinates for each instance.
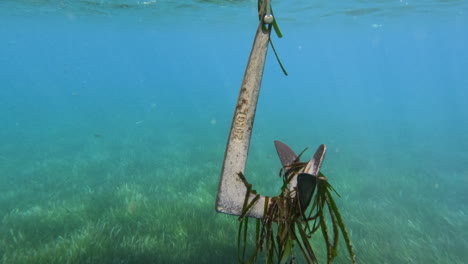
(231, 191)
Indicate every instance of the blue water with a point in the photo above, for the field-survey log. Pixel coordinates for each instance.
(134, 100)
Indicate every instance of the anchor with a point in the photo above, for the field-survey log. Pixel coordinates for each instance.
(232, 189)
(288, 211)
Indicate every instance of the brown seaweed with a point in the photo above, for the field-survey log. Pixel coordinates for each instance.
(292, 218)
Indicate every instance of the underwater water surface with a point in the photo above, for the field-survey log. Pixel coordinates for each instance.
(114, 116)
